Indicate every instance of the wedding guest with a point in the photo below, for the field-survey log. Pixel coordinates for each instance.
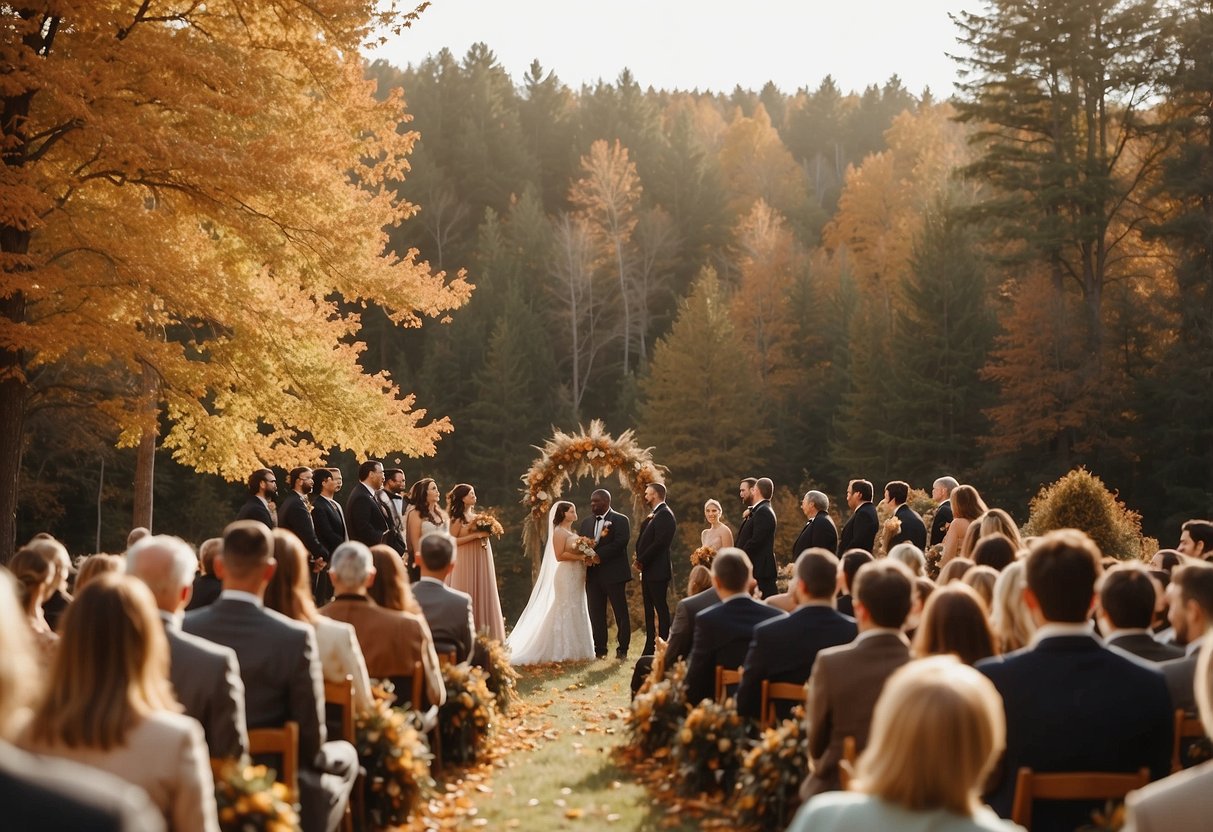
(941, 492)
(290, 593)
(1165, 560)
(364, 516)
(1126, 609)
(923, 588)
(448, 612)
(757, 537)
(135, 535)
(908, 779)
(95, 566)
(1190, 594)
(393, 640)
(860, 530)
(699, 580)
(1185, 799)
(1013, 626)
(908, 527)
(1196, 539)
(56, 603)
(34, 574)
(813, 626)
(954, 571)
(849, 566)
(982, 580)
(997, 521)
(295, 515)
(390, 588)
(717, 535)
(954, 621)
(109, 704)
(996, 551)
(723, 632)
(1071, 703)
(969, 543)
(207, 585)
(205, 676)
(911, 556)
(653, 563)
(474, 572)
(682, 630)
(424, 513)
(819, 531)
(280, 668)
(967, 506)
(262, 491)
(846, 680)
(41, 792)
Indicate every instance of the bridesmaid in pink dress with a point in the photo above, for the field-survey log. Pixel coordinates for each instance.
(474, 572)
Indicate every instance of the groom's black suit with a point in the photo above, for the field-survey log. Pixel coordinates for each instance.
(653, 557)
(608, 581)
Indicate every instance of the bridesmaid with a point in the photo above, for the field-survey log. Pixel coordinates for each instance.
(423, 514)
(717, 534)
(474, 572)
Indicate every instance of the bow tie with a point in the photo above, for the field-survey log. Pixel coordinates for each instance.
(598, 517)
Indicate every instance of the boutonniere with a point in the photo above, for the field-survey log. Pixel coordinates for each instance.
(649, 517)
(745, 515)
(606, 529)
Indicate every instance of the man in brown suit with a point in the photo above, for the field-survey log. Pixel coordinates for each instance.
(846, 680)
(392, 642)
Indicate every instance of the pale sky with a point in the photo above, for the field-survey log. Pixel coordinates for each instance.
(707, 44)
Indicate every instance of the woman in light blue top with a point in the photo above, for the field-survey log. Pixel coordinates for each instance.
(937, 730)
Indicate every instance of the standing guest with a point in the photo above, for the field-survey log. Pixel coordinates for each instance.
(723, 632)
(1013, 626)
(607, 580)
(327, 517)
(908, 527)
(1190, 594)
(717, 535)
(422, 516)
(262, 489)
(364, 517)
(982, 580)
(94, 566)
(393, 641)
(56, 603)
(280, 668)
(474, 571)
(860, 530)
(295, 515)
(941, 492)
(206, 585)
(967, 506)
(109, 704)
(846, 680)
(653, 564)
(819, 531)
(909, 779)
(34, 574)
(1126, 609)
(390, 588)
(996, 551)
(911, 556)
(954, 621)
(1196, 539)
(290, 593)
(448, 612)
(852, 561)
(813, 626)
(1071, 703)
(205, 676)
(757, 537)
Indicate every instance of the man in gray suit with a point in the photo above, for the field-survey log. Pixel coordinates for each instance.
(1191, 615)
(280, 666)
(205, 676)
(447, 611)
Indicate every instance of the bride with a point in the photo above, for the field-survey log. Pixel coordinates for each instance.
(555, 626)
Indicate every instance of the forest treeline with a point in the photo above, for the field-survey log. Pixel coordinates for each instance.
(999, 284)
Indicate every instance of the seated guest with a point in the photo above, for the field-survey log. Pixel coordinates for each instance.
(55, 605)
(996, 521)
(1191, 613)
(390, 588)
(954, 571)
(40, 792)
(813, 626)
(1165, 560)
(205, 676)
(136, 534)
(682, 629)
(699, 580)
(280, 667)
(1183, 800)
(723, 632)
(206, 585)
(1071, 703)
(982, 580)
(910, 779)
(994, 550)
(1196, 539)
(96, 565)
(109, 704)
(852, 561)
(448, 612)
(290, 593)
(923, 587)
(1013, 626)
(1126, 608)
(954, 622)
(911, 556)
(393, 641)
(34, 573)
(846, 680)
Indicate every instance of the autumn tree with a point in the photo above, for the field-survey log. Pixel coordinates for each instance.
(187, 195)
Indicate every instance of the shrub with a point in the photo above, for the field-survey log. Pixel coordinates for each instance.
(1080, 500)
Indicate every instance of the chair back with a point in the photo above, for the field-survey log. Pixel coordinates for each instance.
(1070, 785)
(341, 695)
(283, 742)
(773, 692)
(1186, 728)
(413, 686)
(726, 676)
(445, 658)
(846, 766)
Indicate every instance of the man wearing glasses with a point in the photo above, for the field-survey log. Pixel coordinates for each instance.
(262, 489)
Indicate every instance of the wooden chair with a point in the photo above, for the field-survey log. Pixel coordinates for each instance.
(284, 742)
(446, 658)
(414, 685)
(1070, 785)
(725, 677)
(1186, 728)
(846, 766)
(341, 695)
(773, 692)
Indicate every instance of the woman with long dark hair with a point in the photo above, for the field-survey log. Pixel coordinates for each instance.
(423, 514)
(474, 571)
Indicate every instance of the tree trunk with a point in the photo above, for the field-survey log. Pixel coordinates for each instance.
(145, 456)
(12, 428)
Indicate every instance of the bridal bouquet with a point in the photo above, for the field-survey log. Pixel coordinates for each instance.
(396, 756)
(488, 523)
(586, 547)
(703, 556)
(249, 799)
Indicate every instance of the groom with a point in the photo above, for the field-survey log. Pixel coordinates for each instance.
(608, 580)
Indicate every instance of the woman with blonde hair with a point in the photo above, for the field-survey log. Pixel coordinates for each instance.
(290, 593)
(35, 575)
(997, 521)
(1012, 623)
(967, 506)
(954, 623)
(717, 535)
(96, 565)
(391, 589)
(109, 704)
(982, 579)
(937, 731)
(954, 571)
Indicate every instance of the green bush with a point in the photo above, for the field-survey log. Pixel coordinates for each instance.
(1080, 500)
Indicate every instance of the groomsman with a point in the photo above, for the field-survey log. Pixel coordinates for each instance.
(860, 530)
(913, 530)
(819, 532)
(262, 489)
(392, 500)
(365, 519)
(608, 580)
(327, 516)
(756, 537)
(295, 514)
(941, 492)
(653, 564)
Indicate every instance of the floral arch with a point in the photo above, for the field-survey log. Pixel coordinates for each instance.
(566, 458)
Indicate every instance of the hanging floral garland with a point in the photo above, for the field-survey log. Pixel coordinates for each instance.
(589, 453)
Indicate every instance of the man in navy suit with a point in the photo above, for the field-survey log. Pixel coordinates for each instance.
(913, 530)
(723, 632)
(262, 489)
(608, 580)
(653, 564)
(756, 537)
(1071, 703)
(813, 626)
(859, 531)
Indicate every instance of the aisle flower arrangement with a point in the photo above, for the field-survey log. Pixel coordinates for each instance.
(501, 677)
(708, 748)
(466, 721)
(396, 756)
(658, 711)
(771, 771)
(250, 801)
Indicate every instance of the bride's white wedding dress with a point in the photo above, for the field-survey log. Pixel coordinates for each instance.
(555, 626)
